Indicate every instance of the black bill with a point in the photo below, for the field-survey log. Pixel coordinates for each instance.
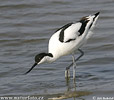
(31, 68)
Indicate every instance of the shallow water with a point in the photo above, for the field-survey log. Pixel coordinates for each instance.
(26, 26)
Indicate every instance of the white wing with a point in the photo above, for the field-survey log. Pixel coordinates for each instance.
(69, 32)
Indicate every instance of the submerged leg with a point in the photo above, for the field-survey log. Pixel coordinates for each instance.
(67, 72)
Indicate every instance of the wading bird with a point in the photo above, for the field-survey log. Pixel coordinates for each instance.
(66, 40)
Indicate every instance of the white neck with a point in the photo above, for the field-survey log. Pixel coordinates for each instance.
(52, 59)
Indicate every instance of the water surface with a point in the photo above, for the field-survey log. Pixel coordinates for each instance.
(25, 28)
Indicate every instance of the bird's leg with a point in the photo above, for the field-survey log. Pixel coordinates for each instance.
(74, 67)
(82, 53)
(67, 72)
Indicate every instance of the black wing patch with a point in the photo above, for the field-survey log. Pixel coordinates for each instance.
(61, 35)
(70, 40)
(63, 26)
(84, 22)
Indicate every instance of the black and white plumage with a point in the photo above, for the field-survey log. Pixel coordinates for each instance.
(67, 39)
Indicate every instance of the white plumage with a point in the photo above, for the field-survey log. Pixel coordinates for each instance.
(58, 48)
(67, 40)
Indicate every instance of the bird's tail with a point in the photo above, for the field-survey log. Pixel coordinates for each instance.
(95, 18)
(92, 25)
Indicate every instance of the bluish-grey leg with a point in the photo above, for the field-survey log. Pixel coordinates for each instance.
(74, 67)
(67, 72)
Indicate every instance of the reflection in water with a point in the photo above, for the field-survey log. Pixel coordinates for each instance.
(70, 92)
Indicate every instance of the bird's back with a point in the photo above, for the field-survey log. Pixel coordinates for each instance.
(71, 36)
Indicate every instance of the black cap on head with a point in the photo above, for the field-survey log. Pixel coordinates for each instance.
(38, 58)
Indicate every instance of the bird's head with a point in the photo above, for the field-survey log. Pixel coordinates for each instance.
(39, 59)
